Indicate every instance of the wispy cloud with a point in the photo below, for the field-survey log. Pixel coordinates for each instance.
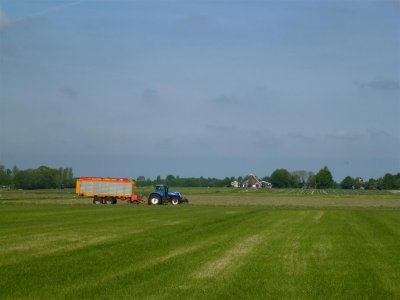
(344, 135)
(379, 84)
(199, 19)
(297, 136)
(69, 92)
(7, 49)
(54, 8)
(226, 100)
(150, 96)
(4, 20)
(377, 136)
(48, 10)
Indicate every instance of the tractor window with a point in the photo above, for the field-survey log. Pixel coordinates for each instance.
(161, 189)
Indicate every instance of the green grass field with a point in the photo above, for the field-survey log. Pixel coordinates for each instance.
(225, 244)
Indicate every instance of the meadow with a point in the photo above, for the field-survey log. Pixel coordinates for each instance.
(226, 244)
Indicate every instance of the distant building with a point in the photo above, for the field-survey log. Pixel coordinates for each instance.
(266, 184)
(252, 181)
(235, 184)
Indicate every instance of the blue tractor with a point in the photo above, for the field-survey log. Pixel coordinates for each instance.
(162, 195)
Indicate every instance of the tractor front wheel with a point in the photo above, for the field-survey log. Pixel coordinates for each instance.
(174, 201)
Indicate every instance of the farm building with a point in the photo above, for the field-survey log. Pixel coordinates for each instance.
(266, 184)
(251, 181)
(235, 184)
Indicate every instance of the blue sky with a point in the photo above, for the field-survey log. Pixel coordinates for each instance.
(201, 88)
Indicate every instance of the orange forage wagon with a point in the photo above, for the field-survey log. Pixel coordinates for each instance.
(106, 190)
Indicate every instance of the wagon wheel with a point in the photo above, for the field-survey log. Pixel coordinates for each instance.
(97, 200)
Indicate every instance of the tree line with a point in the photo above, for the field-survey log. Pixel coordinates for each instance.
(387, 182)
(323, 179)
(45, 177)
(282, 178)
(42, 177)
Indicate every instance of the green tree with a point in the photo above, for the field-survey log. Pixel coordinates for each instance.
(226, 182)
(371, 184)
(25, 179)
(5, 177)
(397, 183)
(281, 178)
(14, 172)
(59, 178)
(170, 178)
(312, 181)
(324, 178)
(348, 182)
(68, 177)
(301, 176)
(296, 180)
(389, 181)
(141, 179)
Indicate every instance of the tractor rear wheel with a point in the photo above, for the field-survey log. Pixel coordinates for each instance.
(174, 201)
(154, 200)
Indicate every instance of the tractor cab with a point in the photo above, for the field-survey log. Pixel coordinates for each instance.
(162, 190)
